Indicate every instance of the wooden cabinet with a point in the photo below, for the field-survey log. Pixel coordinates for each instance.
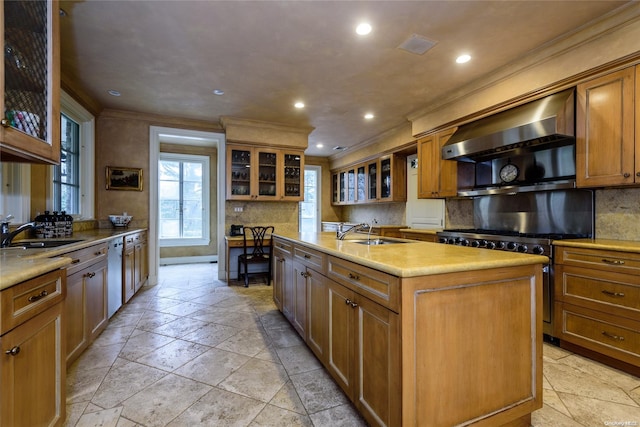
(32, 366)
(264, 174)
(363, 346)
(437, 178)
(606, 121)
(418, 235)
(598, 301)
(30, 97)
(135, 266)
(86, 304)
(382, 179)
(282, 264)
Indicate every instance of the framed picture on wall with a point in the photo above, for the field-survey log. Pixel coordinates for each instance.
(124, 178)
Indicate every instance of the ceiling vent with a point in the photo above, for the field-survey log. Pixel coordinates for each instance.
(417, 44)
(338, 148)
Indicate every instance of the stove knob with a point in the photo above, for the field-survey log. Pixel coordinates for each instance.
(464, 242)
(475, 244)
(499, 245)
(491, 245)
(483, 243)
(522, 249)
(538, 250)
(442, 240)
(451, 241)
(511, 246)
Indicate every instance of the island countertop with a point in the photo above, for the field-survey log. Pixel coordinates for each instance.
(413, 258)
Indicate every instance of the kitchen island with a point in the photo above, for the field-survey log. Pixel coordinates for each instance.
(418, 333)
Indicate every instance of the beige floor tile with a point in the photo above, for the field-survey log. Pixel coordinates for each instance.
(153, 319)
(113, 335)
(173, 355)
(212, 366)
(237, 319)
(103, 418)
(211, 334)
(163, 400)
(287, 398)
(82, 384)
(183, 309)
(285, 337)
(219, 408)
(123, 381)
(179, 327)
(245, 342)
(256, 379)
(596, 413)
(604, 373)
(318, 391)
(98, 357)
(74, 412)
(549, 417)
(142, 344)
(551, 399)
(298, 359)
(273, 416)
(338, 416)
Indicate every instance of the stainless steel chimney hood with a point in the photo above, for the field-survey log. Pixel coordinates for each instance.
(529, 127)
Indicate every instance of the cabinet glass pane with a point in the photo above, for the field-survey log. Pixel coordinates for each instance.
(343, 186)
(25, 65)
(292, 175)
(385, 178)
(240, 172)
(351, 185)
(360, 182)
(373, 175)
(334, 187)
(267, 174)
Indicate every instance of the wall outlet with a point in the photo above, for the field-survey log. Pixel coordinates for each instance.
(238, 209)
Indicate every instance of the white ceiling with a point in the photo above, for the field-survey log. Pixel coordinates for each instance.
(166, 57)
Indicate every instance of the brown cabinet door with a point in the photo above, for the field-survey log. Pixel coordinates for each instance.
(605, 130)
(448, 169)
(278, 277)
(317, 314)
(299, 318)
(128, 271)
(74, 315)
(95, 283)
(427, 168)
(33, 379)
(340, 336)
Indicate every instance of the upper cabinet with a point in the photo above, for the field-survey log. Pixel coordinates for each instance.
(264, 174)
(378, 180)
(437, 178)
(606, 153)
(30, 130)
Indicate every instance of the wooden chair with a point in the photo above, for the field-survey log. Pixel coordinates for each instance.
(258, 253)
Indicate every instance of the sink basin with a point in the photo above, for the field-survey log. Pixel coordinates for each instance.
(375, 242)
(44, 243)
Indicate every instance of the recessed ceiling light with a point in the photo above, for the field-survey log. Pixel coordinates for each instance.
(368, 116)
(299, 104)
(363, 29)
(319, 145)
(218, 92)
(113, 92)
(463, 58)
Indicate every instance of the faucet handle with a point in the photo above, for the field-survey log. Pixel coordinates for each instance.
(8, 218)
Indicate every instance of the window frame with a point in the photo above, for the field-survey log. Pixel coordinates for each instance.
(205, 240)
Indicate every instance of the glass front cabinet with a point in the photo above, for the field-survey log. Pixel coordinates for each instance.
(378, 180)
(264, 174)
(30, 128)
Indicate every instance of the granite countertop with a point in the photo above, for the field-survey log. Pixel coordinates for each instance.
(18, 265)
(413, 258)
(606, 244)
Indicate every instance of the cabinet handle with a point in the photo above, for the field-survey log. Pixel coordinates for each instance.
(626, 174)
(75, 261)
(280, 259)
(5, 123)
(353, 304)
(13, 352)
(612, 336)
(90, 275)
(98, 253)
(613, 294)
(613, 261)
(347, 301)
(354, 276)
(307, 256)
(41, 295)
(304, 274)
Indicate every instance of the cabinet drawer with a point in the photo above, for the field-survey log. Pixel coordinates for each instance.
(131, 240)
(83, 258)
(283, 246)
(623, 262)
(614, 293)
(309, 257)
(611, 335)
(380, 287)
(21, 302)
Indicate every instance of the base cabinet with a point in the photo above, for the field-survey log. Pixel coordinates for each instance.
(135, 268)
(32, 366)
(87, 294)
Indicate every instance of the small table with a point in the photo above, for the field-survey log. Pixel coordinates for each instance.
(232, 242)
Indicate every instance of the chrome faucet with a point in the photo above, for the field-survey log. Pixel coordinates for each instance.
(7, 236)
(342, 234)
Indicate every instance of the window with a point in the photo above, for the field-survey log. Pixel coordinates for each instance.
(183, 199)
(66, 176)
(309, 209)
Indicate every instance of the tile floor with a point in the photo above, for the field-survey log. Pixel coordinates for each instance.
(192, 351)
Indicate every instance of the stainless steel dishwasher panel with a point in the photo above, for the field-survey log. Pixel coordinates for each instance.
(114, 278)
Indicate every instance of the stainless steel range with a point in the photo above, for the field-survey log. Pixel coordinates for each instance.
(528, 223)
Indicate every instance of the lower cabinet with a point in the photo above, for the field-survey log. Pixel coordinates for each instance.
(135, 264)
(86, 305)
(32, 366)
(282, 283)
(598, 303)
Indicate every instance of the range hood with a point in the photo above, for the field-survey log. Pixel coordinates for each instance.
(537, 125)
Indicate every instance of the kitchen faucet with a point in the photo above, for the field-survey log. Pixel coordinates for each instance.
(363, 226)
(6, 236)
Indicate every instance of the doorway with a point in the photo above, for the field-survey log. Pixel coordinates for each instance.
(309, 211)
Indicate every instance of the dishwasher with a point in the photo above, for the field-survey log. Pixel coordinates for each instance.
(114, 277)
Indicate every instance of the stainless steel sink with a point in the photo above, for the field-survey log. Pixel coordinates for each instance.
(375, 242)
(43, 243)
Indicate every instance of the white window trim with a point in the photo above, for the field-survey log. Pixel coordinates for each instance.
(206, 217)
(16, 190)
(76, 112)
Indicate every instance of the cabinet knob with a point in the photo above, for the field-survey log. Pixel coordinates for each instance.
(13, 352)
(5, 123)
(354, 276)
(637, 173)
(626, 174)
(90, 275)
